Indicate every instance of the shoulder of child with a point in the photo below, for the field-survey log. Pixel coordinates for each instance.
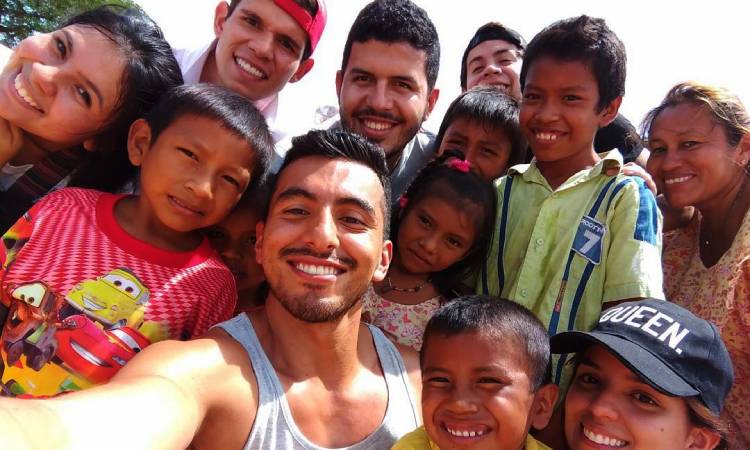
(416, 440)
(533, 444)
(68, 197)
(74, 193)
(634, 191)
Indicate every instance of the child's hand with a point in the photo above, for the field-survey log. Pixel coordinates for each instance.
(634, 170)
(11, 141)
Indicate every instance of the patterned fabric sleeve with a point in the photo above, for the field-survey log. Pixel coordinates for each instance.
(634, 260)
(221, 309)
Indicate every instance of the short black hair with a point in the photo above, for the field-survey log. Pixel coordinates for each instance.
(469, 192)
(395, 21)
(234, 112)
(491, 31)
(619, 134)
(502, 319)
(311, 6)
(491, 108)
(341, 144)
(587, 40)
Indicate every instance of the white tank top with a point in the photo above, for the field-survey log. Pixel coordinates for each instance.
(274, 426)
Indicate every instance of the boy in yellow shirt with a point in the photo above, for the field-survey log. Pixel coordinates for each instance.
(485, 378)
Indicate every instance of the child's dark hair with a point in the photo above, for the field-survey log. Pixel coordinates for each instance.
(492, 31)
(395, 21)
(234, 112)
(491, 108)
(619, 134)
(588, 40)
(501, 319)
(150, 69)
(255, 198)
(340, 144)
(311, 6)
(467, 191)
(255, 201)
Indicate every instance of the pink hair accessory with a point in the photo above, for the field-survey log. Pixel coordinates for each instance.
(313, 26)
(403, 201)
(461, 165)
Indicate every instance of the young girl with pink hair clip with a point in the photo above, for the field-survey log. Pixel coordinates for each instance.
(440, 230)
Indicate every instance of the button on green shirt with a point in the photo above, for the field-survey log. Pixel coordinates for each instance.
(563, 253)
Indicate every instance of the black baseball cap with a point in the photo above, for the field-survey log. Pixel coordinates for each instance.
(673, 350)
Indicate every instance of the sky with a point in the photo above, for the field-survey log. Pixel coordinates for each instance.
(667, 42)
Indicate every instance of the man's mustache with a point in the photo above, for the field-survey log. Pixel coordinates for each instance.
(343, 260)
(367, 111)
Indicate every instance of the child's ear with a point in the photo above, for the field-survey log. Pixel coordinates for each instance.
(703, 439)
(259, 227)
(544, 405)
(608, 114)
(386, 255)
(139, 141)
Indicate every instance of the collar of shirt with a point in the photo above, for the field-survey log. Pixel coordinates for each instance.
(531, 174)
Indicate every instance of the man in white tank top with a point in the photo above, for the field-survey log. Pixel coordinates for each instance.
(341, 385)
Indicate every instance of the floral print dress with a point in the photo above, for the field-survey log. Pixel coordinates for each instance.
(721, 294)
(403, 324)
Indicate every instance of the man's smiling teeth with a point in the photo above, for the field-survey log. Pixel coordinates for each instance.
(380, 126)
(603, 440)
(316, 270)
(465, 433)
(677, 180)
(24, 94)
(249, 68)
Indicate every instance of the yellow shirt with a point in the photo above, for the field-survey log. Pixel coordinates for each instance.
(418, 440)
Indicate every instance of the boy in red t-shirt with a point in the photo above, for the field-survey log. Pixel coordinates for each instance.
(91, 278)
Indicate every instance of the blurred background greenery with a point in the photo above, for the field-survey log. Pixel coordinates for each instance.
(20, 18)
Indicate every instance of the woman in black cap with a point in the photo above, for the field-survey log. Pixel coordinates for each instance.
(651, 375)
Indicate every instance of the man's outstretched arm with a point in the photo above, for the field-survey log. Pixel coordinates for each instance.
(155, 402)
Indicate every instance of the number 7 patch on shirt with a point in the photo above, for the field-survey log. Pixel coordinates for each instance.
(589, 239)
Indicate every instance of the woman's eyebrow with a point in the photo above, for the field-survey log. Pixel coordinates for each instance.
(86, 81)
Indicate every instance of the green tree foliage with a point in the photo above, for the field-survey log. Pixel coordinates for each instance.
(20, 18)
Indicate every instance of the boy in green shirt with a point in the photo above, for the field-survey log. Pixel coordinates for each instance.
(569, 238)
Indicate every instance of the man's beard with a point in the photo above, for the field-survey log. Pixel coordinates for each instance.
(310, 308)
(392, 154)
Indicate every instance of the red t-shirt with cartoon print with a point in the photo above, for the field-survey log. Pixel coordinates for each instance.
(84, 296)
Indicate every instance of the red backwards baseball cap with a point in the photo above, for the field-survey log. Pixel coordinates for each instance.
(313, 26)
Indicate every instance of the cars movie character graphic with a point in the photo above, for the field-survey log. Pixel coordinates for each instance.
(115, 299)
(13, 240)
(54, 343)
(31, 324)
(94, 353)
